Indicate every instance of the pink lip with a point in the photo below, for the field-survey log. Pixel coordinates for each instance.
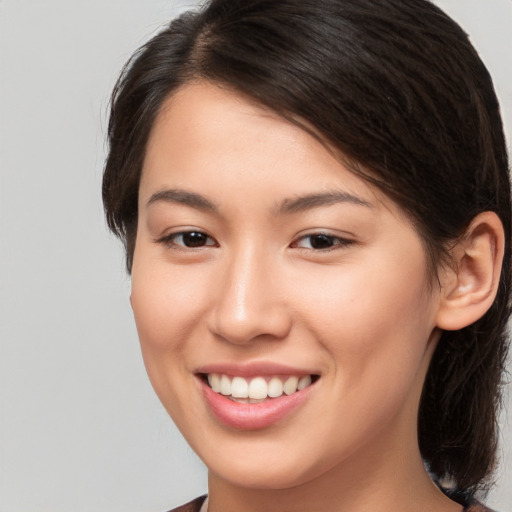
(245, 416)
(253, 369)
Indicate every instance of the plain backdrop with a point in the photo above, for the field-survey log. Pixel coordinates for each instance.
(80, 427)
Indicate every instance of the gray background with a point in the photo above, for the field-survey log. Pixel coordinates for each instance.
(80, 427)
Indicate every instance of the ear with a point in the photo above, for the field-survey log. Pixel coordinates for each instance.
(470, 284)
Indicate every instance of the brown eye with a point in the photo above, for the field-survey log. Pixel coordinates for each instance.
(321, 241)
(194, 239)
(189, 239)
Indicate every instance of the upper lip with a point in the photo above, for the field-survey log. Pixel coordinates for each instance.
(253, 369)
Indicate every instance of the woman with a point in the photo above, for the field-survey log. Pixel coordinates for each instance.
(315, 204)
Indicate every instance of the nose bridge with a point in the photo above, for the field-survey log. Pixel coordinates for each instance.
(247, 304)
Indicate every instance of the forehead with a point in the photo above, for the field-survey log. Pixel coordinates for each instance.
(203, 129)
(215, 118)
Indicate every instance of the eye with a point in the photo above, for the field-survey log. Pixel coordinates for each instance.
(188, 239)
(321, 241)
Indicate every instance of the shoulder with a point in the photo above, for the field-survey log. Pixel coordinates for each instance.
(192, 506)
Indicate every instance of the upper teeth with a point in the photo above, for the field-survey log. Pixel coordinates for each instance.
(256, 387)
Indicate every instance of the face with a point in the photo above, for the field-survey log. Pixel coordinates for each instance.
(283, 305)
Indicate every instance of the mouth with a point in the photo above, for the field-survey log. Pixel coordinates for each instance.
(255, 399)
(255, 395)
(256, 389)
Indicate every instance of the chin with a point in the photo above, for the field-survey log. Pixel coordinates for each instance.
(262, 476)
(254, 463)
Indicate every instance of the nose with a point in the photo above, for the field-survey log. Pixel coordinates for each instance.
(250, 301)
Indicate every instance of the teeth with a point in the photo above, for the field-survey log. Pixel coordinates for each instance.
(304, 382)
(225, 385)
(239, 388)
(214, 381)
(258, 388)
(275, 387)
(290, 386)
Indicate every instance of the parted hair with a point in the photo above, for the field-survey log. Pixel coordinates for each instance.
(396, 87)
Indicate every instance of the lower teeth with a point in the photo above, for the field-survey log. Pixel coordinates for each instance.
(248, 400)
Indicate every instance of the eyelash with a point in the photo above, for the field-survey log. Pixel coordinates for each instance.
(335, 242)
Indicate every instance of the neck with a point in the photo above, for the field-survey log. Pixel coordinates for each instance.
(368, 483)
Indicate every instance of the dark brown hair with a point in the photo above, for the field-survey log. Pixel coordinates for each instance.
(398, 89)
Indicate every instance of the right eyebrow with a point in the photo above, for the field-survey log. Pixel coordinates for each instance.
(178, 196)
(317, 200)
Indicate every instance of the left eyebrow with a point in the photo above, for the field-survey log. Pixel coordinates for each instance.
(183, 197)
(310, 201)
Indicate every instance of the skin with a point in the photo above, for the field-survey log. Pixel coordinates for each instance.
(362, 314)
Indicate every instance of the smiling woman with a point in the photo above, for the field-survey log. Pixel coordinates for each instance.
(315, 202)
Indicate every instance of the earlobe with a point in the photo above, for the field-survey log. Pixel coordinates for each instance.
(470, 284)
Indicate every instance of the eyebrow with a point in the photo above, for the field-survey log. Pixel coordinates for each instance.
(310, 201)
(298, 204)
(183, 197)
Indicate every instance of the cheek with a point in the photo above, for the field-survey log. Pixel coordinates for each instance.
(374, 320)
(166, 303)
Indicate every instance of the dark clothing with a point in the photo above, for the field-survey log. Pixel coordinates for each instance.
(195, 506)
(192, 506)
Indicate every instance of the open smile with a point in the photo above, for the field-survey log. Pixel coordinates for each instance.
(254, 402)
(257, 389)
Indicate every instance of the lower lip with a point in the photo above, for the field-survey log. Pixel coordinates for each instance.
(247, 416)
